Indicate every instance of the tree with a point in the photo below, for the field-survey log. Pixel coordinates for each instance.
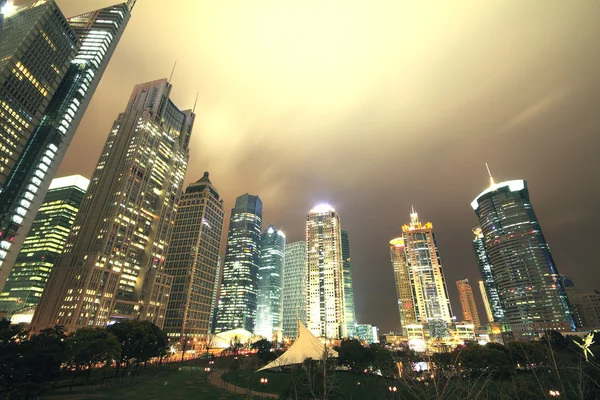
(264, 348)
(88, 347)
(438, 329)
(139, 340)
(354, 355)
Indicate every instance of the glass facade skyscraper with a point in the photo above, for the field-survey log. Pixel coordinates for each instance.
(402, 277)
(97, 34)
(325, 306)
(485, 268)
(427, 277)
(239, 286)
(529, 286)
(270, 284)
(44, 243)
(350, 313)
(294, 288)
(467, 302)
(193, 260)
(113, 264)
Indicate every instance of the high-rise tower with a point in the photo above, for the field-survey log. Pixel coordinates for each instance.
(427, 277)
(486, 302)
(325, 307)
(239, 286)
(349, 312)
(97, 33)
(193, 260)
(467, 302)
(113, 265)
(489, 283)
(270, 284)
(529, 286)
(44, 243)
(402, 277)
(294, 288)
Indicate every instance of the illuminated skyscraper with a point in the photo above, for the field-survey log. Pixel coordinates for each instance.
(239, 286)
(489, 283)
(402, 277)
(49, 134)
(486, 302)
(44, 243)
(427, 277)
(113, 265)
(467, 302)
(325, 307)
(532, 294)
(350, 313)
(294, 288)
(270, 284)
(193, 260)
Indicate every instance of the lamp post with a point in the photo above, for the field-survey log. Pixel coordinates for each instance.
(554, 393)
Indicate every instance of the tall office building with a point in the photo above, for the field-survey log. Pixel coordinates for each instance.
(489, 283)
(294, 288)
(402, 278)
(113, 265)
(529, 286)
(427, 277)
(98, 33)
(325, 307)
(44, 243)
(467, 302)
(270, 284)
(193, 260)
(349, 313)
(486, 302)
(239, 286)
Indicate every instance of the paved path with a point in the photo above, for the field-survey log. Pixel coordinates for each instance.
(216, 379)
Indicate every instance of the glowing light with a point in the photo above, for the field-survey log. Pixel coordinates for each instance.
(8, 9)
(322, 209)
(398, 242)
(513, 186)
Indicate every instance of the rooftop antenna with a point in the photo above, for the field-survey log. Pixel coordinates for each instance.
(490, 174)
(131, 4)
(172, 71)
(195, 102)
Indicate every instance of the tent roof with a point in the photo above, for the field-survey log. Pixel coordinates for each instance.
(306, 346)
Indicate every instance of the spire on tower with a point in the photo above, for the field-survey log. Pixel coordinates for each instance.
(490, 174)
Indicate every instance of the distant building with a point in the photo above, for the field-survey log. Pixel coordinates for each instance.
(44, 243)
(427, 277)
(294, 288)
(586, 308)
(113, 264)
(404, 289)
(350, 313)
(239, 286)
(367, 333)
(532, 294)
(486, 302)
(270, 284)
(467, 302)
(325, 308)
(193, 260)
(491, 298)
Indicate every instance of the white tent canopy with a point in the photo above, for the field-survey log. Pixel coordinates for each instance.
(306, 346)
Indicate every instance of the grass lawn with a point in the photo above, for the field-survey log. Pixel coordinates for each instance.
(189, 383)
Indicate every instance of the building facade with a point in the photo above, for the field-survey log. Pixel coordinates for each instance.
(586, 308)
(97, 34)
(239, 286)
(113, 264)
(350, 313)
(325, 306)
(270, 284)
(529, 286)
(492, 297)
(44, 243)
(294, 288)
(467, 302)
(427, 277)
(367, 333)
(486, 302)
(402, 279)
(193, 261)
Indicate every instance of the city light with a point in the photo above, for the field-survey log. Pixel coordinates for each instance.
(322, 209)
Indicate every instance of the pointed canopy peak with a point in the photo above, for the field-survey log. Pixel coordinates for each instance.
(414, 217)
(204, 178)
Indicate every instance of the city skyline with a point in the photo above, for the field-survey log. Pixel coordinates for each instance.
(240, 149)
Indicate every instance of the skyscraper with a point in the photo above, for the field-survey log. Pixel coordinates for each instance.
(467, 302)
(113, 265)
(402, 277)
(529, 286)
(489, 283)
(36, 48)
(44, 243)
(325, 307)
(239, 286)
(349, 313)
(294, 288)
(98, 33)
(427, 277)
(270, 284)
(486, 302)
(192, 260)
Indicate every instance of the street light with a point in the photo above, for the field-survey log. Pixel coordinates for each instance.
(264, 381)
(207, 369)
(554, 393)
(393, 389)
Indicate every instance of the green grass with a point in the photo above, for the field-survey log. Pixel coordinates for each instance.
(189, 383)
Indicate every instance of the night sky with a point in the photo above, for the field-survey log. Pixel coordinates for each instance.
(374, 106)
